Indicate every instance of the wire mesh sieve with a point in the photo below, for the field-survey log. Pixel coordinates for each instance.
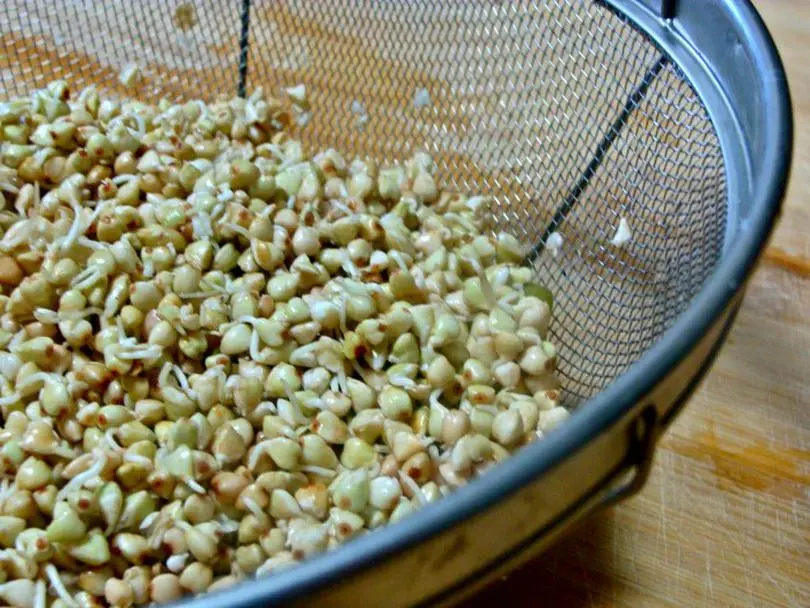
(561, 110)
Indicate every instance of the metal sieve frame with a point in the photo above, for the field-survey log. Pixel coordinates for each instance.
(609, 442)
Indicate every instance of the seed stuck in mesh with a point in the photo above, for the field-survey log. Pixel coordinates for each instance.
(623, 235)
(421, 98)
(221, 354)
(130, 75)
(554, 243)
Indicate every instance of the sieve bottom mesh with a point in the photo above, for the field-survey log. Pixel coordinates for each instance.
(519, 97)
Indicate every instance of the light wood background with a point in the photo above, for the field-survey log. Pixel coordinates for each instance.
(725, 517)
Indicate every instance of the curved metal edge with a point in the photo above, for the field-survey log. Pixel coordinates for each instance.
(600, 413)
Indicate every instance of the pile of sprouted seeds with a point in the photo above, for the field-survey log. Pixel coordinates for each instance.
(220, 354)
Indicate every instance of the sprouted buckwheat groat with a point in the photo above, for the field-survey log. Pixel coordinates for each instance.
(220, 355)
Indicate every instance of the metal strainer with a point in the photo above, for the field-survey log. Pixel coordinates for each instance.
(574, 115)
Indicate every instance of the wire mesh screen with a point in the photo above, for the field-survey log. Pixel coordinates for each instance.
(544, 106)
(185, 49)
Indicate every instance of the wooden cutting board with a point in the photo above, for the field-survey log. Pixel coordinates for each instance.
(725, 517)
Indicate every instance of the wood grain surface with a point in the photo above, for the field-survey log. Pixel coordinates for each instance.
(725, 517)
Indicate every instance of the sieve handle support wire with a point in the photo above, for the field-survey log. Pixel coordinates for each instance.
(244, 39)
(598, 157)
